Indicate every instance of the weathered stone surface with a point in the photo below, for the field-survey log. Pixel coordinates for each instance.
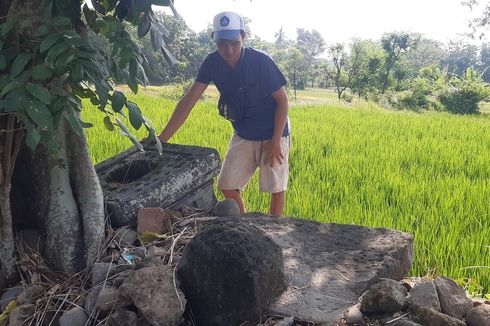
(103, 271)
(453, 298)
(429, 316)
(19, 315)
(32, 238)
(123, 317)
(152, 291)
(91, 301)
(226, 207)
(385, 296)
(73, 317)
(425, 295)
(153, 219)
(328, 266)
(125, 236)
(107, 299)
(231, 272)
(9, 295)
(479, 316)
(181, 177)
(354, 315)
(31, 293)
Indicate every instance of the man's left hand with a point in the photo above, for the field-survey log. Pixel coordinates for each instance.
(273, 151)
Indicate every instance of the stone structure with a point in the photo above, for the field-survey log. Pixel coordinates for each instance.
(181, 177)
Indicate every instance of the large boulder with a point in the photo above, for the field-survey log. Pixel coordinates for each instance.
(231, 272)
(181, 177)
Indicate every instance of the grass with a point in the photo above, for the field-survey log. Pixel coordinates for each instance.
(426, 174)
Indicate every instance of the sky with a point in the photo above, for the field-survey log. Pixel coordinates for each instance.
(339, 20)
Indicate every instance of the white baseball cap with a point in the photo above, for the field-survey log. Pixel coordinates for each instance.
(227, 26)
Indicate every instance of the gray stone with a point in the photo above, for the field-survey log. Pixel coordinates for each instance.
(386, 296)
(479, 316)
(231, 272)
(125, 236)
(107, 299)
(405, 322)
(227, 207)
(100, 272)
(181, 177)
(9, 295)
(354, 315)
(31, 293)
(91, 301)
(288, 321)
(425, 295)
(431, 317)
(156, 294)
(328, 266)
(123, 317)
(453, 298)
(21, 314)
(73, 317)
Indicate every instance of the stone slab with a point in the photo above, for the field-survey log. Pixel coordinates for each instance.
(328, 266)
(181, 177)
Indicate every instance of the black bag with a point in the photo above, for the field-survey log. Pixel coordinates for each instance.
(232, 107)
(232, 103)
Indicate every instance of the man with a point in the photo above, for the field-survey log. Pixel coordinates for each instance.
(254, 99)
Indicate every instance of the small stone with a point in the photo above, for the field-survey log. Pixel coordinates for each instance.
(425, 295)
(106, 299)
(9, 295)
(125, 236)
(91, 301)
(386, 296)
(354, 315)
(74, 317)
(20, 314)
(227, 207)
(100, 272)
(453, 298)
(288, 321)
(123, 317)
(429, 316)
(153, 219)
(30, 294)
(406, 322)
(479, 316)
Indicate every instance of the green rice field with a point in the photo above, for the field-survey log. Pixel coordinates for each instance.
(423, 173)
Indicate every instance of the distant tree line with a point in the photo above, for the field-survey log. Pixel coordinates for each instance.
(403, 70)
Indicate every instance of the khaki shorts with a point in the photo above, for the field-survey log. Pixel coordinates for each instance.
(243, 158)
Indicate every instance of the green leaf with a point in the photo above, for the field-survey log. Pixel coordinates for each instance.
(10, 86)
(41, 72)
(156, 39)
(91, 18)
(42, 30)
(40, 115)
(108, 123)
(33, 136)
(62, 61)
(16, 100)
(39, 92)
(48, 42)
(55, 51)
(62, 21)
(7, 26)
(118, 101)
(135, 116)
(72, 117)
(19, 64)
(77, 73)
(168, 55)
(3, 62)
(144, 26)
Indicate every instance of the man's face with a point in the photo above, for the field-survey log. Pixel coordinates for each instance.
(230, 50)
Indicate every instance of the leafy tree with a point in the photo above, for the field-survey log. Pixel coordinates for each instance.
(461, 56)
(311, 44)
(345, 67)
(47, 66)
(366, 81)
(427, 53)
(394, 44)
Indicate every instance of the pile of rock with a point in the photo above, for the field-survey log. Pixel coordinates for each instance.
(418, 301)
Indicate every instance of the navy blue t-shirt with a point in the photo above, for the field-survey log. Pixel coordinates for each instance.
(257, 72)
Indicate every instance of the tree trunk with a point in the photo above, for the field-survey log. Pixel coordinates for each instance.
(7, 248)
(66, 200)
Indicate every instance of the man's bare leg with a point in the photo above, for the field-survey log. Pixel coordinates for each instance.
(235, 194)
(277, 203)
